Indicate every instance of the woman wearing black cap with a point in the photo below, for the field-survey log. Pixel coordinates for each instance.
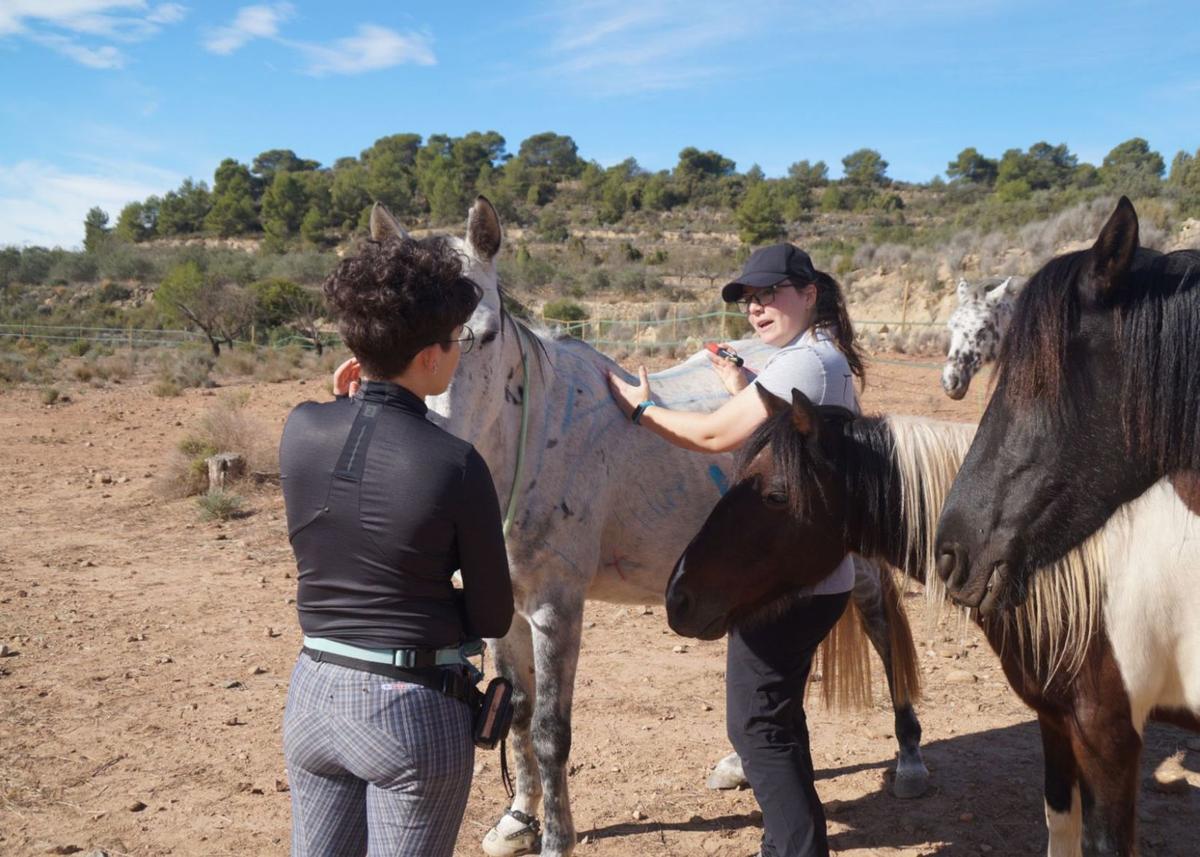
(800, 310)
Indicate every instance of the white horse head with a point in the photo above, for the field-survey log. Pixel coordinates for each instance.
(976, 328)
(490, 373)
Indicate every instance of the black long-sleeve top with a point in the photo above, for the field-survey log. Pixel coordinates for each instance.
(382, 507)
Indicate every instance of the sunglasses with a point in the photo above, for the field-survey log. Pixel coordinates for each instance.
(466, 341)
(762, 297)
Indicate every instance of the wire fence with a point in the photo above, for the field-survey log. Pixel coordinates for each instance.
(669, 330)
(656, 330)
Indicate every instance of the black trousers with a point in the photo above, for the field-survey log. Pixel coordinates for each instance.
(766, 668)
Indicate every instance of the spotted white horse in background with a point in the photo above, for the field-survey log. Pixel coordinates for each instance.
(601, 510)
(978, 324)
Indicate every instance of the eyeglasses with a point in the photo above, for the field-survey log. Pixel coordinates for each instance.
(762, 297)
(466, 341)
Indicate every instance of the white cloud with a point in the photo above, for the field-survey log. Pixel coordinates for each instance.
(251, 22)
(105, 56)
(64, 25)
(43, 204)
(370, 49)
(611, 47)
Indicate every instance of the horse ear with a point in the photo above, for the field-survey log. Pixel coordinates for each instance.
(998, 293)
(773, 403)
(1114, 250)
(384, 225)
(968, 291)
(483, 229)
(804, 414)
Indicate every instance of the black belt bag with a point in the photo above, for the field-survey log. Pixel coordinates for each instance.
(491, 711)
(494, 714)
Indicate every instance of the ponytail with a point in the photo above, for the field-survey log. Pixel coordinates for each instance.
(832, 317)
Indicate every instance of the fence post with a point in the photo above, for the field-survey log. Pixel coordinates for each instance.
(904, 310)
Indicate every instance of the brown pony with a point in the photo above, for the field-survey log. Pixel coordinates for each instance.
(816, 483)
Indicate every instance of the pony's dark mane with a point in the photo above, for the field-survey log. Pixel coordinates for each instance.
(793, 458)
(860, 453)
(1160, 348)
(1157, 321)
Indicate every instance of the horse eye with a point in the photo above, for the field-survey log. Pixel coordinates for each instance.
(487, 337)
(777, 500)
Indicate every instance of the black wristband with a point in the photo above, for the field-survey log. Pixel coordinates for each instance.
(636, 416)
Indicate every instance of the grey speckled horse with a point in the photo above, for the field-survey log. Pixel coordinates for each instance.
(602, 510)
(976, 328)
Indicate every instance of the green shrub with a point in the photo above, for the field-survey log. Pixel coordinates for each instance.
(79, 347)
(50, 395)
(165, 388)
(219, 505)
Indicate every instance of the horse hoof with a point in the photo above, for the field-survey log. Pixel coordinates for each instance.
(728, 774)
(512, 836)
(911, 783)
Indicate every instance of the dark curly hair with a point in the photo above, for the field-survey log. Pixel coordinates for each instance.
(399, 296)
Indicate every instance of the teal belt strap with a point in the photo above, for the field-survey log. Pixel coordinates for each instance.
(404, 659)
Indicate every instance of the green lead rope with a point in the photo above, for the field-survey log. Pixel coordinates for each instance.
(511, 513)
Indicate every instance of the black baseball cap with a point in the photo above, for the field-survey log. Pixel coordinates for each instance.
(768, 266)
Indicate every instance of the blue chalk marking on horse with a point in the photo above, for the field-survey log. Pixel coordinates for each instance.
(719, 479)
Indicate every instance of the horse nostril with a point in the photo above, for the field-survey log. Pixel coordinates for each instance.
(679, 603)
(946, 564)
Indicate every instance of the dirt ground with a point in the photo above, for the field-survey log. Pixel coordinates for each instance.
(148, 653)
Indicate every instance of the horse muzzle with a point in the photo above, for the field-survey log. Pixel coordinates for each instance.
(691, 616)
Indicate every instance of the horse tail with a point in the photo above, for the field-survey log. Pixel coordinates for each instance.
(845, 659)
(906, 673)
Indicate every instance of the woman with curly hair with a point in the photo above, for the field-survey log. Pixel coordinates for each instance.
(382, 508)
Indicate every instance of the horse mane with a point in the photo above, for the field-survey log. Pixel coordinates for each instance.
(1160, 386)
(1063, 611)
(1157, 318)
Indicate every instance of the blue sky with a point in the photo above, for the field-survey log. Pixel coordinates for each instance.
(105, 101)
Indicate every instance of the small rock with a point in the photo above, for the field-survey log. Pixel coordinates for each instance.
(164, 659)
(222, 537)
(4, 651)
(705, 707)
(135, 638)
(583, 840)
(259, 670)
(102, 479)
(271, 632)
(589, 625)
(638, 815)
(137, 806)
(960, 677)
(647, 610)
(233, 721)
(679, 650)
(86, 563)
(233, 685)
(282, 786)
(98, 852)
(64, 849)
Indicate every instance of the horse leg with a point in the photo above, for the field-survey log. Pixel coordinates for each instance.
(887, 627)
(557, 629)
(1108, 750)
(517, 831)
(1064, 812)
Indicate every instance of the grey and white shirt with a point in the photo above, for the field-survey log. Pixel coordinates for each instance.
(813, 364)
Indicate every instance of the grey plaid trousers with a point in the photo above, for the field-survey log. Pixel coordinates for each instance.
(376, 766)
